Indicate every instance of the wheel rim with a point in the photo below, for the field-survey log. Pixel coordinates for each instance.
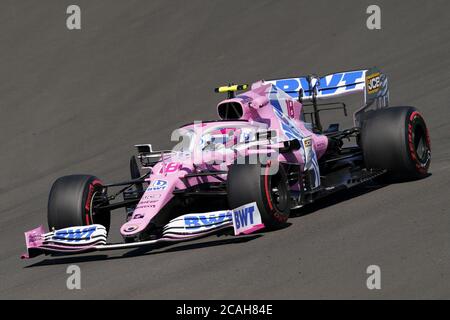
(421, 147)
(97, 216)
(278, 193)
(91, 210)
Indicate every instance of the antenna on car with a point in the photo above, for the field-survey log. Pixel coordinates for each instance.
(231, 89)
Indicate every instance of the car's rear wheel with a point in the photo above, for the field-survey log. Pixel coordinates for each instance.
(397, 139)
(247, 183)
(72, 202)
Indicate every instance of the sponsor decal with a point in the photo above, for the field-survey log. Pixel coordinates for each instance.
(373, 83)
(74, 234)
(138, 216)
(147, 201)
(247, 219)
(145, 206)
(157, 185)
(205, 220)
(308, 155)
(34, 237)
(152, 196)
(307, 142)
(329, 85)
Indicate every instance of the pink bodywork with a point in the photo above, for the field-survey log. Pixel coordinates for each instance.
(263, 104)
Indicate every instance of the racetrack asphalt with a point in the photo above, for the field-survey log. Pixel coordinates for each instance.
(77, 102)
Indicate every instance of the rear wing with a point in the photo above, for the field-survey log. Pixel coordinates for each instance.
(371, 83)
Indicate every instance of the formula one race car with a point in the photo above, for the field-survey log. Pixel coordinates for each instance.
(265, 157)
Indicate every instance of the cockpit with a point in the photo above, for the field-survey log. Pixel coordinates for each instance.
(213, 136)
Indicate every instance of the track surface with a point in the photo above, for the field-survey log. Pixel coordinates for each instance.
(77, 101)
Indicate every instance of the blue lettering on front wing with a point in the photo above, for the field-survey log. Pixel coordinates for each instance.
(74, 235)
(244, 217)
(204, 221)
(236, 219)
(250, 214)
(211, 220)
(192, 222)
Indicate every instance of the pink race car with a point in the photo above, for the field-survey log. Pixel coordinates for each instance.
(266, 156)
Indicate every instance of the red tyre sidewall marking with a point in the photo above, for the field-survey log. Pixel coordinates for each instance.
(275, 212)
(88, 200)
(412, 150)
(266, 186)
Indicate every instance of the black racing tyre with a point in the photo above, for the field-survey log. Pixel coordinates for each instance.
(70, 203)
(248, 183)
(397, 139)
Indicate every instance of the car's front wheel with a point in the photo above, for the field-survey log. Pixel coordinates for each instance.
(72, 202)
(247, 183)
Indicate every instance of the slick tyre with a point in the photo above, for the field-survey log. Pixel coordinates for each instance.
(71, 203)
(397, 139)
(248, 183)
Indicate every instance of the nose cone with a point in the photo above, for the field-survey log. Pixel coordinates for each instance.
(156, 196)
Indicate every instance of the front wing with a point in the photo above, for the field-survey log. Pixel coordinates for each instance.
(244, 220)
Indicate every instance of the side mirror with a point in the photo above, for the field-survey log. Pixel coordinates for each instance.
(144, 148)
